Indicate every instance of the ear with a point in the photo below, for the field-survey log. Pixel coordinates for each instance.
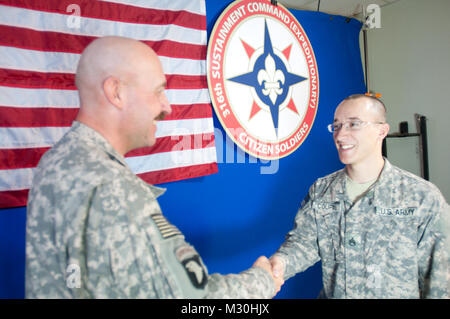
(112, 91)
(384, 130)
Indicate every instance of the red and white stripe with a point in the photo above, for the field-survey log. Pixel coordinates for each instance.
(39, 52)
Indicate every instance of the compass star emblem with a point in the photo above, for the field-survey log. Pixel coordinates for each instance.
(269, 78)
(262, 78)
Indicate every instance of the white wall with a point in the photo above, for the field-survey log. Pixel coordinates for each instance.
(409, 64)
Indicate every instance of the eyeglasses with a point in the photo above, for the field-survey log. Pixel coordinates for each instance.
(352, 125)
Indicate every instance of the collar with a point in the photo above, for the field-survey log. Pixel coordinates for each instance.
(91, 136)
(382, 188)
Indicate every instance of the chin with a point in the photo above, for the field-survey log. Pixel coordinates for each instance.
(151, 142)
(144, 143)
(346, 160)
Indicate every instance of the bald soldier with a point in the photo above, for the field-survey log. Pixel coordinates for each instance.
(94, 229)
(379, 231)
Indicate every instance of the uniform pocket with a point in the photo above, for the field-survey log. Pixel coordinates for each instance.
(329, 237)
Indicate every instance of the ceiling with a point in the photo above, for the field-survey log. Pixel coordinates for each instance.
(348, 8)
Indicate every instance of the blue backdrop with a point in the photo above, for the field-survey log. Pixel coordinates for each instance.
(238, 214)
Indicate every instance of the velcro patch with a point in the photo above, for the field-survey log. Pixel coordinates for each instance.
(165, 228)
(396, 211)
(322, 206)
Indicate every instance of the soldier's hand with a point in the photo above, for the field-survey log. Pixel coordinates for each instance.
(265, 264)
(278, 266)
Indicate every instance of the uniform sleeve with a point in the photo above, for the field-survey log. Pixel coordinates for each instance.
(120, 257)
(433, 257)
(254, 283)
(128, 265)
(300, 249)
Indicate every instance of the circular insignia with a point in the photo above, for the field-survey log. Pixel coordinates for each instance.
(262, 78)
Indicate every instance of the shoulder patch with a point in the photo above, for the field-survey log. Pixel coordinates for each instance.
(191, 262)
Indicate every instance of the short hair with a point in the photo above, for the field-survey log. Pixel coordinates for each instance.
(375, 100)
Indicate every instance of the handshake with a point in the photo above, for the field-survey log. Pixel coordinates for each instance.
(274, 266)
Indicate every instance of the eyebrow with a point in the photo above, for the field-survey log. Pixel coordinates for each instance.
(350, 118)
(161, 87)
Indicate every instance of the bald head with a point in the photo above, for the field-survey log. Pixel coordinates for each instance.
(110, 56)
(121, 85)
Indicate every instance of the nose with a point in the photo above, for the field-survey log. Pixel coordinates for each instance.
(343, 131)
(166, 108)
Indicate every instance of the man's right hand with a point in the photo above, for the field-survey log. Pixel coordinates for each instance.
(278, 266)
(265, 264)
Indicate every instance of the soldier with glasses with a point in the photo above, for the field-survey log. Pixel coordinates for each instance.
(379, 231)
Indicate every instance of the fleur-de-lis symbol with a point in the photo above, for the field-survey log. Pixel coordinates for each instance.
(271, 79)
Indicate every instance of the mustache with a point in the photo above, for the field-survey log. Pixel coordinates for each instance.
(161, 116)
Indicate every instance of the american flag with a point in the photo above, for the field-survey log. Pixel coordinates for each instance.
(40, 45)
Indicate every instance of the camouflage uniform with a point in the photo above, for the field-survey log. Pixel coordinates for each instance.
(95, 230)
(388, 244)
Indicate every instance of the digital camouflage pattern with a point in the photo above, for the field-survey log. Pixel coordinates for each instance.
(95, 230)
(391, 243)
